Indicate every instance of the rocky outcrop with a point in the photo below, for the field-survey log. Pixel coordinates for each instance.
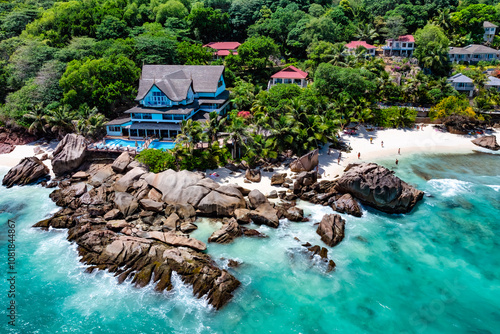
(347, 204)
(378, 187)
(305, 163)
(148, 260)
(178, 187)
(322, 252)
(331, 229)
(265, 214)
(29, 170)
(9, 138)
(127, 180)
(221, 204)
(121, 163)
(126, 203)
(489, 142)
(226, 234)
(304, 179)
(294, 214)
(253, 175)
(172, 239)
(151, 205)
(278, 179)
(256, 198)
(69, 154)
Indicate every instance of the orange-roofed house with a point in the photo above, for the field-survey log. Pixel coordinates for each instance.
(289, 75)
(223, 49)
(352, 46)
(403, 46)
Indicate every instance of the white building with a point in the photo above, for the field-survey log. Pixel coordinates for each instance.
(489, 31)
(403, 46)
(473, 53)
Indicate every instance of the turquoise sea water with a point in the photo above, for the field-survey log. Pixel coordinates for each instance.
(435, 270)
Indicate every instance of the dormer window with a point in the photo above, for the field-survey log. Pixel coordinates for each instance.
(159, 99)
(220, 83)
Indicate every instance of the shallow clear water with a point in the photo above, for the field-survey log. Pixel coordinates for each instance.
(434, 270)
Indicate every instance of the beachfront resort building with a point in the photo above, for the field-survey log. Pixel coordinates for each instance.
(462, 84)
(354, 45)
(223, 49)
(490, 30)
(169, 94)
(473, 54)
(402, 47)
(289, 75)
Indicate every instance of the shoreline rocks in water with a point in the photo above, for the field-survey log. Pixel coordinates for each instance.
(28, 171)
(489, 142)
(331, 229)
(378, 187)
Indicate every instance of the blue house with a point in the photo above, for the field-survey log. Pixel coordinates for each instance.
(169, 94)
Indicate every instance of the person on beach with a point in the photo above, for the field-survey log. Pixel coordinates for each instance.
(397, 161)
(382, 143)
(399, 150)
(371, 140)
(338, 160)
(359, 155)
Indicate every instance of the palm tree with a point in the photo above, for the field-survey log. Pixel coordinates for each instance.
(214, 126)
(59, 120)
(442, 19)
(335, 55)
(366, 32)
(37, 117)
(237, 133)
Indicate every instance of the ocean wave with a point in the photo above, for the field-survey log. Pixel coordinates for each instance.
(450, 187)
(494, 187)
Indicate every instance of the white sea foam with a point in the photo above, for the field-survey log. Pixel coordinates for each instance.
(450, 187)
(494, 187)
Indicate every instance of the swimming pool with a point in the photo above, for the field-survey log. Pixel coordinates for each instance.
(159, 145)
(132, 143)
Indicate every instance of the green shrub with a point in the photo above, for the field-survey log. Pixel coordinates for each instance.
(394, 117)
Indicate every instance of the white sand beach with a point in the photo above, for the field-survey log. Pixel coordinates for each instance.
(22, 151)
(408, 141)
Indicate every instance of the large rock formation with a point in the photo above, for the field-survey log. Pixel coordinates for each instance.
(306, 162)
(29, 170)
(347, 204)
(253, 175)
(226, 234)
(69, 154)
(331, 229)
(489, 142)
(9, 138)
(378, 187)
(121, 163)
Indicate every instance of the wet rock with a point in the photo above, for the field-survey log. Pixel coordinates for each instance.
(489, 142)
(226, 234)
(29, 170)
(188, 227)
(233, 263)
(252, 233)
(265, 214)
(222, 205)
(331, 229)
(242, 216)
(69, 154)
(347, 204)
(378, 187)
(294, 214)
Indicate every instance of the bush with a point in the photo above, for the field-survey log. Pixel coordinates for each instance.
(452, 105)
(157, 160)
(394, 117)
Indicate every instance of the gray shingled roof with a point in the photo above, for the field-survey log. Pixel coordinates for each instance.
(487, 24)
(176, 110)
(119, 121)
(460, 78)
(473, 49)
(175, 80)
(492, 81)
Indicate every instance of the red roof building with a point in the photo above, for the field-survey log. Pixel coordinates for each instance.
(290, 74)
(353, 45)
(223, 49)
(403, 46)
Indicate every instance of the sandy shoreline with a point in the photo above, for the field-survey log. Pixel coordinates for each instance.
(409, 141)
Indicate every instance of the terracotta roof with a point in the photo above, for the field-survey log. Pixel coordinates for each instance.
(291, 72)
(405, 38)
(225, 52)
(487, 24)
(223, 45)
(175, 80)
(357, 44)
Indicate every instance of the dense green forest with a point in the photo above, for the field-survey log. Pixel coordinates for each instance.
(72, 64)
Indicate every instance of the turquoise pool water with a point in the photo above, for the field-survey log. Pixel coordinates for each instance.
(434, 270)
(131, 143)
